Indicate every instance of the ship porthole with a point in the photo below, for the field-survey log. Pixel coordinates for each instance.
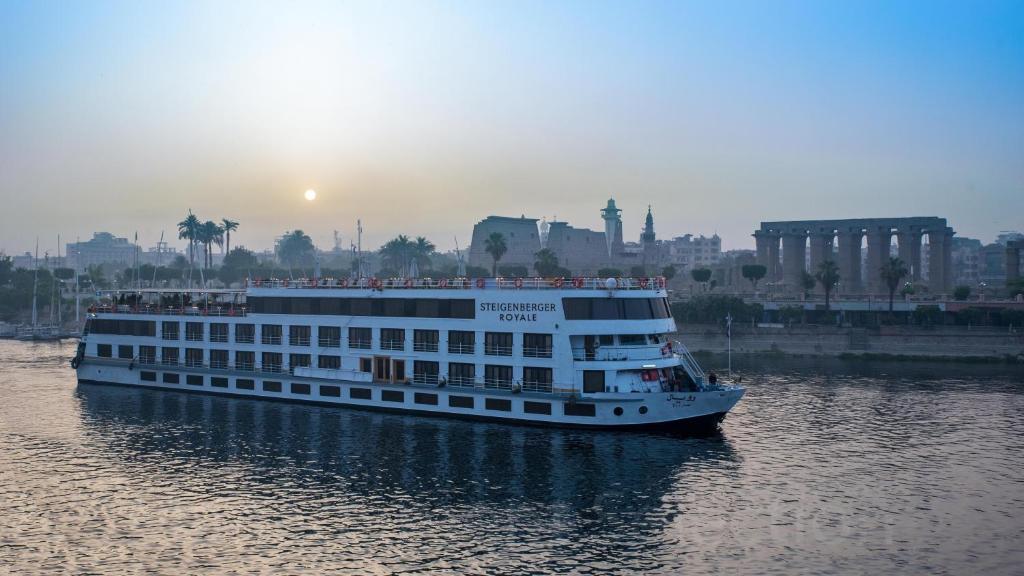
(643, 409)
(617, 411)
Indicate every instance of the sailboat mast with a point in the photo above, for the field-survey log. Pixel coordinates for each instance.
(35, 286)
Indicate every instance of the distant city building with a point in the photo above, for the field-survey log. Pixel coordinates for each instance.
(585, 251)
(966, 261)
(104, 248)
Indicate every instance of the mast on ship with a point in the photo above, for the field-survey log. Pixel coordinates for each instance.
(35, 286)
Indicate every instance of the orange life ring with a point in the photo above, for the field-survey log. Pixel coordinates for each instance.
(443, 283)
(558, 282)
(343, 282)
(375, 283)
(577, 282)
(480, 283)
(643, 282)
(408, 282)
(518, 283)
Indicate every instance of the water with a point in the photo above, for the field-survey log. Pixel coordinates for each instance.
(823, 468)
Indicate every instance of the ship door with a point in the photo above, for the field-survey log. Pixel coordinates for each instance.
(398, 370)
(589, 347)
(381, 369)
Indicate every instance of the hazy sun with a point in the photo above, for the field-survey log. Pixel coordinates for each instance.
(310, 194)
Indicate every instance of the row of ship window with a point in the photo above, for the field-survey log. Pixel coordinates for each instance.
(534, 378)
(459, 341)
(358, 393)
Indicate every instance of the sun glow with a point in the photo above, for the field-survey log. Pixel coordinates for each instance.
(310, 194)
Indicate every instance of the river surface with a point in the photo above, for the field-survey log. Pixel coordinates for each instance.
(824, 467)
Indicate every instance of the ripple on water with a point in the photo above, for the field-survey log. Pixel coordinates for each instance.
(824, 467)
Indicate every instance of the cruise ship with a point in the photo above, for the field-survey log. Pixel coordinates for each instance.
(579, 352)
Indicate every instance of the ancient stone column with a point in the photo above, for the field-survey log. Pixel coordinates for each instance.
(947, 261)
(849, 261)
(1012, 261)
(794, 259)
(821, 250)
(879, 244)
(910, 253)
(936, 261)
(761, 240)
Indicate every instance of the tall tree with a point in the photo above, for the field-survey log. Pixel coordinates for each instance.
(546, 263)
(892, 271)
(496, 247)
(669, 272)
(701, 276)
(395, 254)
(296, 249)
(828, 276)
(229, 226)
(210, 233)
(188, 229)
(421, 250)
(754, 273)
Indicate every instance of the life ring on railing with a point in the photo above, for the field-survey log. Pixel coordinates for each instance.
(375, 283)
(643, 283)
(480, 283)
(558, 282)
(443, 283)
(577, 282)
(343, 282)
(408, 283)
(661, 281)
(284, 282)
(518, 283)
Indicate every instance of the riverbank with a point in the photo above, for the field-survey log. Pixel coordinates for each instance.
(952, 343)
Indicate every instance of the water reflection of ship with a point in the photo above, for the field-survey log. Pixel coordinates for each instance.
(366, 453)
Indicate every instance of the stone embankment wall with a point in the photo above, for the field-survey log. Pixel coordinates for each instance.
(938, 342)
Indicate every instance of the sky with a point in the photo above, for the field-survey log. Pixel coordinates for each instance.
(425, 117)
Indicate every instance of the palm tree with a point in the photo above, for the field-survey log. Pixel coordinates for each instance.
(188, 229)
(547, 262)
(892, 271)
(229, 226)
(496, 247)
(828, 276)
(395, 253)
(422, 249)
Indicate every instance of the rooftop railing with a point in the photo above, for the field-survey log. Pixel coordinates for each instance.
(561, 283)
(169, 311)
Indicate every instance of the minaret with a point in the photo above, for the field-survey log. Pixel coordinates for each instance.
(612, 225)
(647, 240)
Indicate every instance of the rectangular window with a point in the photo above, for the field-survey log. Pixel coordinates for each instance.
(394, 307)
(170, 378)
(194, 331)
(632, 339)
(147, 355)
(499, 377)
(615, 308)
(329, 336)
(125, 352)
(360, 393)
(271, 386)
(537, 345)
(218, 382)
(498, 404)
(331, 391)
(360, 338)
(298, 335)
(593, 381)
(425, 398)
(270, 334)
(536, 379)
(606, 308)
(104, 351)
(537, 407)
(245, 333)
(425, 372)
(577, 409)
(169, 356)
(194, 357)
(365, 365)
(425, 340)
(271, 362)
(361, 307)
(328, 362)
(463, 308)
(194, 380)
(392, 395)
(245, 384)
(299, 388)
(460, 401)
(298, 361)
(637, 308)
(219, 359)
(392, 339)
(460, 374)
(147, 376)
(218, 332)
(169, 330)
(427, 308)
(498, 343)
(461, 342)
(245, 360)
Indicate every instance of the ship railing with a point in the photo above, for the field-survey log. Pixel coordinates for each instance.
(298, 340)
(360, 344)
(234, 311)
(544, 387)
(329, 342)
(491, 350)
(499, 283)
(218, 337)
(425, 378)
(537, 352)
(270, 340)
(620, 353)
(689, 362)
(424, 346)
(392, 345)
(245, 339)
(461, 348)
